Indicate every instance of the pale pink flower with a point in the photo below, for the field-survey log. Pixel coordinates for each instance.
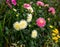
(8, 3)
(27, 6)
(41, 22)
(13, 2)
(52, 10)
(46, 5)
(39, 3)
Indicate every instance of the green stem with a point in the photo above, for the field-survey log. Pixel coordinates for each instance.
(7, 42)
(22, 35)
(8, 19)
(4, 21)
(53, 45)
(47, 45)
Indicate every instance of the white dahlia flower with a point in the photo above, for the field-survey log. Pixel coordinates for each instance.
(16, 26)
(23, 24)
(34, 34)
(29, 17)
(30, 9)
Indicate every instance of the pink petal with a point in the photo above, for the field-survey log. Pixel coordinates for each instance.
(13, 2)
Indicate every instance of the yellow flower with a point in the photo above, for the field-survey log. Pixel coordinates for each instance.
(53, 34)
(51, 26)
(55, 31)
(56, 41)
(55, 38)
(34, 34)
(20, 25)
(58, 36)
(23, 24)
(16, 25)
(17, 15)
(14, 9)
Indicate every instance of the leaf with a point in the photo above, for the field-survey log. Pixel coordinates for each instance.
(0, 29)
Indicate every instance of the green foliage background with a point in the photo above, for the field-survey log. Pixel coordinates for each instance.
(7, 17)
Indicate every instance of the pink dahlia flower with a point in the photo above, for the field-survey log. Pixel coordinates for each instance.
(27, 6)
(13, 2)
(39, 3)
(41, 22)
(52, 10)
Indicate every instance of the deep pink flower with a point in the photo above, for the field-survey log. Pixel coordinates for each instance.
(41, 22)
(27, 6)
(52, 10)
(13, 2)
(39, 3)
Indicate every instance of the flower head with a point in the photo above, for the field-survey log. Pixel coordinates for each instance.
(58, 36)
(41, 22)
(39, 3)
(52, 10)
(23, 24)
(8, 3)
(34, 34)
(27, 6)
(46, 5)
(31, 10)
(53, 34)
(55, 38)
(14, 10)
(55, 31)
(13, 2)
(29, 17)
(16, 25)
(20, 25)
(51, 26)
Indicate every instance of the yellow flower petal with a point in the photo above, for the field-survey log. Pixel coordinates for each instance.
(53, 34)
(34, 34)
(58, 36)
(56, 41)
(23, 24)
(17, 15)
(55, 38)
(16, 25)
(55, 31)
(51, 26)
(14, 9)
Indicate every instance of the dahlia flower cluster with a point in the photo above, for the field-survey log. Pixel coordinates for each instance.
(40, 22)
(20, 25)
(34, 20)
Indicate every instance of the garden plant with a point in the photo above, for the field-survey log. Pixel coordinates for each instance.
(29, 23)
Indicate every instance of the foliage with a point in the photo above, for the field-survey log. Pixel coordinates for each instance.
(10, 36)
